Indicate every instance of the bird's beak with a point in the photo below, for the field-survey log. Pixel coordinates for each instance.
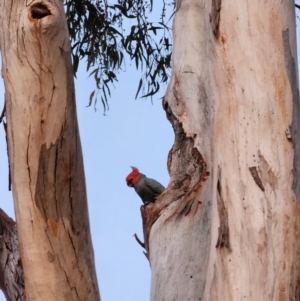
(129, 184)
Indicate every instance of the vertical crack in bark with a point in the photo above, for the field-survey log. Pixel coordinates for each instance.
(188, 172)
(52, 257)
(46, 186)
(70, 191)
(50, 242)
(58, 205)
(72, 244)
(28, 164)
(214, 16)
(223, 237)
(75, 253)
(294, 288)
(73, 287)
(43, 171)
(291, 70)
(186, 209)
(254, 173)
(55, 177)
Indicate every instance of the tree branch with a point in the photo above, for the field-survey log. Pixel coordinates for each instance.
(139, 241)
(3, 113)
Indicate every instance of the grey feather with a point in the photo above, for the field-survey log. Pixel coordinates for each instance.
(148, 189)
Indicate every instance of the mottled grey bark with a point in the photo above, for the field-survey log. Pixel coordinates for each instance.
(11, 271)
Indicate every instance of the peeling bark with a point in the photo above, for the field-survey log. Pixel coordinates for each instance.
(45, 153)
(189, 172)
(291, 70)
(230, 100)
(256, 177)
(223, 238)
(214, 16)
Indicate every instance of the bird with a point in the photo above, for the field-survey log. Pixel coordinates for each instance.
(147, 189)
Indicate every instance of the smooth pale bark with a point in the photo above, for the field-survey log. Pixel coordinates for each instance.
(45, 153)
(227, 227)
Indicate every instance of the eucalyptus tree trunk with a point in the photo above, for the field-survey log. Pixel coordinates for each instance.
(227, 226)
(45, 155)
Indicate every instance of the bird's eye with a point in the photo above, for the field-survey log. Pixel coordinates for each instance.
(129, 183)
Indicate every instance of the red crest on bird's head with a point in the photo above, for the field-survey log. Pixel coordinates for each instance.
(135, 169)
(133, 177)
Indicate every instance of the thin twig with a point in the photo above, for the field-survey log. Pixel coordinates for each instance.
(139, 241)
(147, 256)
(3, 113)
(9, 174)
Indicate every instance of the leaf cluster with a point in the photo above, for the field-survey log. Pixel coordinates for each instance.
(101, 35)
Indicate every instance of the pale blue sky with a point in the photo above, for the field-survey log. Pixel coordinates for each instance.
(133, 132)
